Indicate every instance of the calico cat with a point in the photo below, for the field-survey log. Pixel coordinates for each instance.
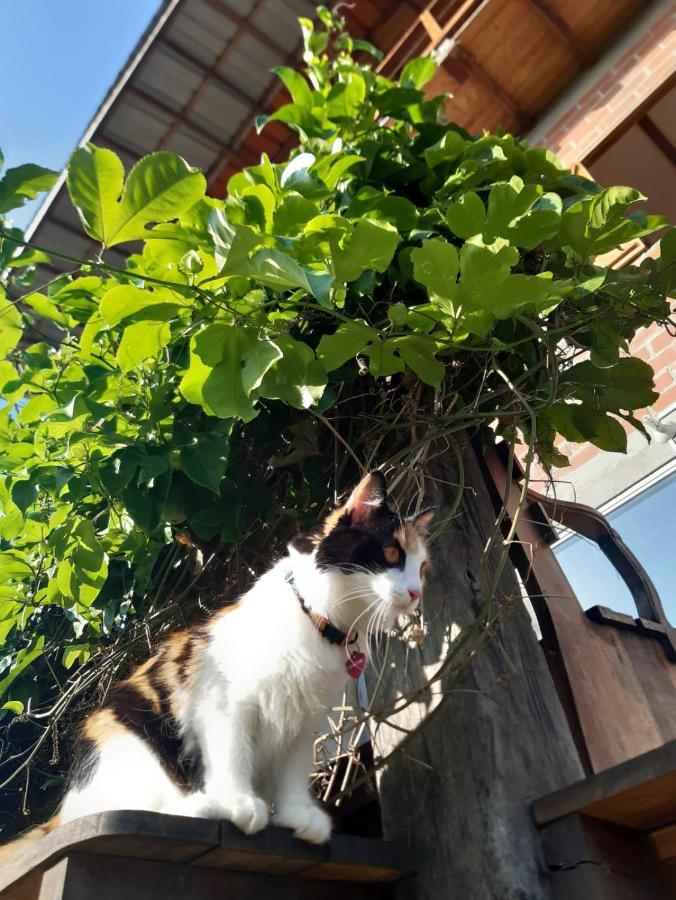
(221, 721)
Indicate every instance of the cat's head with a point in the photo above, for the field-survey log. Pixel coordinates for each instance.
(379, 558)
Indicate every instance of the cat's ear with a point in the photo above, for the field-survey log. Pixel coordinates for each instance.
(422, 521)
(365, 500)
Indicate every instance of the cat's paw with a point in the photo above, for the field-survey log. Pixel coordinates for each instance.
(249, 813)
(309, 822)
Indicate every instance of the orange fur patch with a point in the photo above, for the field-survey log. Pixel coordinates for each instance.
(101, 726)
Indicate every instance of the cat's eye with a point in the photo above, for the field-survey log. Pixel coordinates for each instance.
(423, 570)
(391, 554)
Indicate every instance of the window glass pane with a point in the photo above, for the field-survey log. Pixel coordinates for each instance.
(647, 525)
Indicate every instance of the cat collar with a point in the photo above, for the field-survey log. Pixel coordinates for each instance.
(327, 630)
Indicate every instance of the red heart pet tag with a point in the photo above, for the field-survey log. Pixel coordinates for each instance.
(356, 664)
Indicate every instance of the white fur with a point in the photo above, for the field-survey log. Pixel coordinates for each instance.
(260, 697)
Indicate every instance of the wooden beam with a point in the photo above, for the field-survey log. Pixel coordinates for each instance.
(431, 26)
(472, 64)
(658, 137)
(561, 28)
(642, 782)
(464, 12)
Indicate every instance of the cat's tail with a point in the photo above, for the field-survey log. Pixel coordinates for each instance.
(10, 851)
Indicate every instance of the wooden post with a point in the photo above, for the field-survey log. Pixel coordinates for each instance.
(458, 794)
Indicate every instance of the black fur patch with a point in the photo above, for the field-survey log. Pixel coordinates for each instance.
(185, 656)
(85, 760)
(303, 543)
(159, 730)
(347, 547)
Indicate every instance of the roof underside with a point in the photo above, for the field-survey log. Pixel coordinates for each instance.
(201, 74)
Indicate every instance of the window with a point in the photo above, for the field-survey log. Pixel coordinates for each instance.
(645, 519)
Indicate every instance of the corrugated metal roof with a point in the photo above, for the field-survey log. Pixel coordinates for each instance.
(202, 72)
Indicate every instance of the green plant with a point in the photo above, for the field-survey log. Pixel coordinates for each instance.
(394, 285)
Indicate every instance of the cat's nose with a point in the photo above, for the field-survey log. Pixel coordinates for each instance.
(414, 594)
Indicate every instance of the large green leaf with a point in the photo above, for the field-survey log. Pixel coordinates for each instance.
(95, 181)
(227, 364)
(160, 186)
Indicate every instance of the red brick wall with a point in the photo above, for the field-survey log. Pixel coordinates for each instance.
(641, 70)
(625, 86)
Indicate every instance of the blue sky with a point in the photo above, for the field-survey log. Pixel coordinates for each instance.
(59, 58)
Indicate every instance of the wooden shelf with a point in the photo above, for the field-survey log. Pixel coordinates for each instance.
(127, 851)
(614, 834)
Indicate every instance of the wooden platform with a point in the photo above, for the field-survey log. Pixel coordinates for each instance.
(132, 855)
(613, 835)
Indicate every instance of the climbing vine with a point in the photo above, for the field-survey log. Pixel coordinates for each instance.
(395, 284)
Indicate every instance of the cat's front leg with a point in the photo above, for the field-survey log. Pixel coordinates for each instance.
(294, 806)
(227, 742)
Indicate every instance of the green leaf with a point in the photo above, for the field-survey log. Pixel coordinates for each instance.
(205, 460)
(371, 246)
(46, 308)
(349, 340)
(435, 265)
(448, 148)
(418, 353)
(398, 314)
(467, 215)
(160, 186)
(141, 341)
(292, 214)
(145, 503)
(260, 203)
(666, 264)
(417, 72)
(625, 386)
(14, 706)
(297, 378)
(583, 422)
(277, 270)
(24, 183)
(345, 99)
(75, 653)
(296, 85)
(95, 180)
(23, 659)
(126, 300)
(371, 203)
(227, 364)
(24, 494)
(10, 325)
(385, 358)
